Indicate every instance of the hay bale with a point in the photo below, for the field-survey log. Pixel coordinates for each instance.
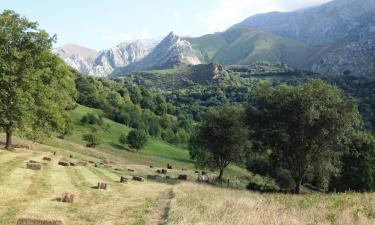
(169, 166)
(138, 178)
(151, 177)
(123, 179)
(33, 166)
(61, 163)
(71, 156)
(131, 170)
(72, 164)
(182, 177)
(158, 171)
(151, 166)
(164, 171)
(29, 221)
(118, 169)
(102, 186)
(67, 198)
(45, 158)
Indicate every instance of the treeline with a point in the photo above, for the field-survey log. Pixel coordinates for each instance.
(136, 107)
(307, 134)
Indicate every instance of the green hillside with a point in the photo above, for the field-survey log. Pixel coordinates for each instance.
(244, 45)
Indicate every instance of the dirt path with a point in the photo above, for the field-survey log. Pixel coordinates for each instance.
(159, 213)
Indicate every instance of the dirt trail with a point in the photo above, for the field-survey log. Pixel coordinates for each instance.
(159, 213)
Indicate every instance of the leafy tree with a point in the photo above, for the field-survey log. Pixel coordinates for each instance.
(36, 88)
(220, 140)
(301, 124)
(93, 139)
(137, 139)
(358, 170)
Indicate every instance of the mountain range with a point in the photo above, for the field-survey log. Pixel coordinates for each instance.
(335, 38)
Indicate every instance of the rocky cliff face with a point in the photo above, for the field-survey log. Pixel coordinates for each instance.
(105, 62)
(131, 56)
(335, 21)
(117, 57)
(170, 52)
(353, 58)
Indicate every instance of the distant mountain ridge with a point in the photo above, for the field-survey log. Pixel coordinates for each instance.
(172, 51)
(334, 38)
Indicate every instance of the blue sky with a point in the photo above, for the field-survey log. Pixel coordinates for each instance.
(101, 24)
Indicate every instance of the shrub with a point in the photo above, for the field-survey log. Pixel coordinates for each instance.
(285, 180)
(92, 119)
(92, 140)
(123, 138)
(137, 139)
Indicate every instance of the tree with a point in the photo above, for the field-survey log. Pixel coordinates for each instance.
(301, 124)
(137, 139)
(220, 140)
(36, 88)
(93, 139)
(358, 170)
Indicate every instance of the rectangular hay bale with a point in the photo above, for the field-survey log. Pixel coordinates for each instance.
(34, 166)
(30, 221)
(61, 163)
(138, 178)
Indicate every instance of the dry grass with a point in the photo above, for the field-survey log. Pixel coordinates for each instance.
(32, 194)
(200, 204)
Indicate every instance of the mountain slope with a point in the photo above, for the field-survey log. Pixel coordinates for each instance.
(70, 50)
(337, 20)
(169, 53)
(245, 45)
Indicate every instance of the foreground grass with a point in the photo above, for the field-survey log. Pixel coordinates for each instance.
(32, 194)
(197, 204)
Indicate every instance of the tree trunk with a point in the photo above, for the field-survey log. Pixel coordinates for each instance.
(297, 189)
(220, 177)
(8, 144)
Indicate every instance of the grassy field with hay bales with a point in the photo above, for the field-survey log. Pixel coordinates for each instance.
(35, 183)
(34, 194)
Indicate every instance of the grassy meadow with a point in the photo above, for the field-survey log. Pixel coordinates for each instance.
(27, 193)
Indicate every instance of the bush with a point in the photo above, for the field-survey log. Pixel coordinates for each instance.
(285, 180)
(123, 138)
(137, 139)
(92, 119)
(92, 140)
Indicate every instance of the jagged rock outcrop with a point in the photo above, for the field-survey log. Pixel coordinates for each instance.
(356, 58)
(105, 62)
(172, 51)
(117, 57)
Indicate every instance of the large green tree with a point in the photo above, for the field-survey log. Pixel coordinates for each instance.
(220, 140)
(36, 88)
(358, 169)
(301, 124)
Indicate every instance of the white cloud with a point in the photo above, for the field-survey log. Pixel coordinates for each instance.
(230, 12)
(145, 35)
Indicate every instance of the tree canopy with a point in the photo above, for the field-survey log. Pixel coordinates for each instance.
(36, 88)
(301, 124)
(221, 138)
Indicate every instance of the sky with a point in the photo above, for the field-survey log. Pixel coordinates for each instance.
(101, 24)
